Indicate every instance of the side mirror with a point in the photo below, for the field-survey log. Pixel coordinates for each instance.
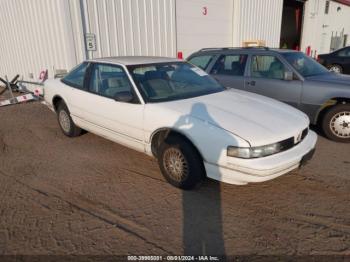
(288, 76)
(124, 96)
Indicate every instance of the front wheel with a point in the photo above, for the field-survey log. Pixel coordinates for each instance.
(66, 123)
(180, 163)
(336, 123)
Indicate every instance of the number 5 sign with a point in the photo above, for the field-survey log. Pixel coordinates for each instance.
(90, 40)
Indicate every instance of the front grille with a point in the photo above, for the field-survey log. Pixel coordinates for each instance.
(289, 143)
(304, 133)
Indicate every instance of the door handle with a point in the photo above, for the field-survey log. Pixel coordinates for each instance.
(252, 83)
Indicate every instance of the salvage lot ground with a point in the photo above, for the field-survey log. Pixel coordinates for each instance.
(88, 195)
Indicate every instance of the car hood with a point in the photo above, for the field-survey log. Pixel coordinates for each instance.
(257, 119)
(331, 78)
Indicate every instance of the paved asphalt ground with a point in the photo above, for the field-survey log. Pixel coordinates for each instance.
(88, 195)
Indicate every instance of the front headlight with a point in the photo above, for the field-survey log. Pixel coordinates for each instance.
(254, 152)
(261, 151)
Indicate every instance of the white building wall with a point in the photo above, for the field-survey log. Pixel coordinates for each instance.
(49, 34)
(257, 20)
(318, 26)
(203, 23)
(131, 27)
(35, 35)
(227, 23)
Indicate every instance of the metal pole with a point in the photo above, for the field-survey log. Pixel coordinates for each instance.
(12, 99)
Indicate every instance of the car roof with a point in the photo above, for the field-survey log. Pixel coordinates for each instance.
(135, 60)
(226, 50)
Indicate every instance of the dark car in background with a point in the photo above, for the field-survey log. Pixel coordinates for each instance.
(286, 75)
(337, 61)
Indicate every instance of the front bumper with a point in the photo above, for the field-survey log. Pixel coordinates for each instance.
(243, 171)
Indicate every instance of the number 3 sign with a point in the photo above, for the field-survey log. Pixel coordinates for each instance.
(205, 10)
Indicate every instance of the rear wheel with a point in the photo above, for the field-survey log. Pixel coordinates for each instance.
(65, 121)
(336, 123)
(336, 69)
(180, 163)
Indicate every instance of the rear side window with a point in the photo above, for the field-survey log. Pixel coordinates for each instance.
(233, 65)
(201, 61)
(344, 52)
(76, 77)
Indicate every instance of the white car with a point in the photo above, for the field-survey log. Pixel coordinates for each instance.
(174, 111)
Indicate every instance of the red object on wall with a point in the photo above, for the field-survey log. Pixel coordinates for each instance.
(179, 55)
(308, 50)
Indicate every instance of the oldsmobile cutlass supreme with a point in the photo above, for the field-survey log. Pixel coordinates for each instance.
(176, 112)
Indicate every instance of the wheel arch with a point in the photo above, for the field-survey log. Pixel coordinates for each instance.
(56, 100)
(162, 133)
(329, 104)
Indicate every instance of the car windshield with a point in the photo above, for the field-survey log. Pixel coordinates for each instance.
(172, 81)
(305, 65)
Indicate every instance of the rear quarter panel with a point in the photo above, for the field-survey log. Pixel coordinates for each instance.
(53, 88)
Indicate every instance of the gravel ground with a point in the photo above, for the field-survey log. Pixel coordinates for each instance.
(88, 195)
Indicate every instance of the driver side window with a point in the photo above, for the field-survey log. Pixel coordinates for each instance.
(108, 80)
(266, 66)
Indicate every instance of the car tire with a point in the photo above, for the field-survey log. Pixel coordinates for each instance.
(66, 123)
(180, 163)
(335, 68)
(336, 123)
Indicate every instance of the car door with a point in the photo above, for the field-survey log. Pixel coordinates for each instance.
(267, 77)
(119, 121)
(229, 70)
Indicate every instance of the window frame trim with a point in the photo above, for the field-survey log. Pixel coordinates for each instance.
(123, 68)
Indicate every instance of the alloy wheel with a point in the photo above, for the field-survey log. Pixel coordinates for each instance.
(335, 69)
(340, 124)
(175, 164)
(64, 121)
